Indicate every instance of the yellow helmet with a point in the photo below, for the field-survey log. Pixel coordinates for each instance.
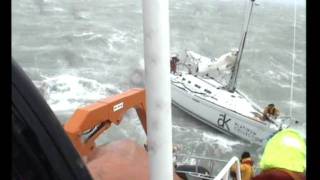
(287, 150)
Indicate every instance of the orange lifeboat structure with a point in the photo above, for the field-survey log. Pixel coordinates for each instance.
(87, 123)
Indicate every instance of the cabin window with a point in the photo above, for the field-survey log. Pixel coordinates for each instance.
(189, 81)
(183, 79)
(196, 85)
(207, 91)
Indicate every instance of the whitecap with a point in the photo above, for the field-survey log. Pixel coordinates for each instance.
(67, 92)
(220, 140)
(296, 104)
(83, 34)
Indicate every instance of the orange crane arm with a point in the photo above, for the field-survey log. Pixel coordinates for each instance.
(87, 123)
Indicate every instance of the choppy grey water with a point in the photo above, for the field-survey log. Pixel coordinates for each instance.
(79, 51)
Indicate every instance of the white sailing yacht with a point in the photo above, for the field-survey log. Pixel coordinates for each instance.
(222, 106)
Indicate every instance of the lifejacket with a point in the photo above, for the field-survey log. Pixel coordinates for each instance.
(246, 168)
(247, 161)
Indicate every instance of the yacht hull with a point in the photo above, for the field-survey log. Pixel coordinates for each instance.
(224, 119)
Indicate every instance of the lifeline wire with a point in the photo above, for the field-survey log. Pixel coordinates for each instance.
(293, 54)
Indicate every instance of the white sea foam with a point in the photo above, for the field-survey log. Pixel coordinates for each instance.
(224, 142)
(118, 36)
(95, 36)
(207, 137)
(67, 92)
(58, 9)
(83, 34)
(289, 86)
(295, 104)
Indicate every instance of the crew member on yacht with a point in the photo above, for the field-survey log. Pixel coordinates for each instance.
(246, 167)
(173, 64)
(270, 112)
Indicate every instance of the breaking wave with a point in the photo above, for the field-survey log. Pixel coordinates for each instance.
(68, 92)
(198, 137)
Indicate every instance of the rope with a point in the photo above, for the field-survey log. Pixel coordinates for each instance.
(293, 54)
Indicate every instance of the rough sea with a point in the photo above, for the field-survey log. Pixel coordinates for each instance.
(80, 51)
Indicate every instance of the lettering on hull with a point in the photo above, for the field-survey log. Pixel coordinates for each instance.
(244, 130)
(223, 122)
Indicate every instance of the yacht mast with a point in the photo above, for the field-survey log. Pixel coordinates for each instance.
(231, 86)
(158, 88)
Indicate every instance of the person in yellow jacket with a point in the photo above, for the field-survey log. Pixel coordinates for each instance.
(284, 157)
(246, 167)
